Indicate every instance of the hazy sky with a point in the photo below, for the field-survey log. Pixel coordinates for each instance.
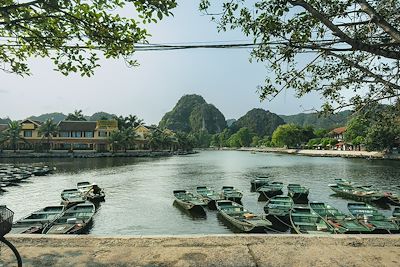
(224, 78)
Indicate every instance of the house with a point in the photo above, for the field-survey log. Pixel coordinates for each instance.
(143, 134)
(338, 133)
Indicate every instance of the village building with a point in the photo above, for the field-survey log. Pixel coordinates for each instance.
(74, 136)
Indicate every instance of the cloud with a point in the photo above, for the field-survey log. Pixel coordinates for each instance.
(2, 91)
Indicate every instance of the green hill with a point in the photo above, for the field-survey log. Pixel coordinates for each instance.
(259, 121)
(56, 116)
(193, 114)
(319, 121)
(4, 121)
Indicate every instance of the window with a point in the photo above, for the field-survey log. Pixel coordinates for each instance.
(27, 133)
(76, 134)
(89, 134)
(65, 134)
(102, 134)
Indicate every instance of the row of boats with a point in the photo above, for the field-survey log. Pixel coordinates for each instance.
(73, 216)
(293, 213)
(11, 175)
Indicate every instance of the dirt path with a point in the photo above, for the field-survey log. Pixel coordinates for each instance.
(224, 250)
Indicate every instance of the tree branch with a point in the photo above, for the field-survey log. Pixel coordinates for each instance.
(379, 20)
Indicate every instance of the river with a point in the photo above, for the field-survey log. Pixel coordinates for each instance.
(139, 199)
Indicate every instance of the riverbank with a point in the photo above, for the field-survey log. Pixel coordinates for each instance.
(324, 153)
(210, 250)
(91, 154)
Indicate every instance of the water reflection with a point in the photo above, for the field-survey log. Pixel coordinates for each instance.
(139, 199)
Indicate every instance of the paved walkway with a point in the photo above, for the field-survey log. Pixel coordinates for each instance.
(223, 250)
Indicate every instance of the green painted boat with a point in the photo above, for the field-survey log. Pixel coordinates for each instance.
(270, 190)
(75, 220)
(35, 222)
(359, 193)
(189, 201)
(277, 212)
(396, 215)
(342, 223)
(258, 182)
(305, 221)
(371, 217)
(231, 193)
(298, 193)
(72, 197)
(209, 196)
(241, 219)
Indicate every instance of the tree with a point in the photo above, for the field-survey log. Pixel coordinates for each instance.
(289, 135)
(356, 127)
(73, 33)
(131, 121)
(76, 116)
(12, 134)
(48, 130)
(321, 45)
(255, 141)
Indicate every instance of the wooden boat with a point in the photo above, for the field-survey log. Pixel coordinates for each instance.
(278, 210)
(231, 193)
(189, 201)
(298, 193)
(72, 197)
(242, 219)
(37, 221)
(258, 182)
(360, 193)
(269, 190)
(392, 198)
(91, 191)
(209, 196)
(75, 220)
(396, 215)
(371, 217)
(342, 223)
(305, 221)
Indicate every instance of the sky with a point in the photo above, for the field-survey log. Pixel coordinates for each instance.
(224, 78)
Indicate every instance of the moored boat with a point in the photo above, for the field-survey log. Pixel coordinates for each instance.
(209, 196)
(269, 190)
(37, 221)
(75, 220)
(258, 182)
(360, 193)
(342, 223)
(242, 219)
(298, 193)
(396, 215)
(189, 201)
(72, 197)
(277, 212)
(370, 216)
(231, 193)
(305, 221)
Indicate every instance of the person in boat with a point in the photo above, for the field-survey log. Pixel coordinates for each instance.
(95, 189)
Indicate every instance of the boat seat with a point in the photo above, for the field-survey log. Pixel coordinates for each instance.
(304, 224)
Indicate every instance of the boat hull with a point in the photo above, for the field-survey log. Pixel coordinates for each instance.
(266, 195)
(196, 209)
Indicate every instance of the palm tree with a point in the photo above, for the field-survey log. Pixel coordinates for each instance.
(12, 134)
(76, 116)
(155, 140)
(115, 139)
(128, 138)
(48, 130)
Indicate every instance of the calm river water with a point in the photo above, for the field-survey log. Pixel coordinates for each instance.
(139, 198)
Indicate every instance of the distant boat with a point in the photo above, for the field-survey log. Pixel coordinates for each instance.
(37, 221)
(342, 223)
(305, 221)
(370, 216)
(75, 220)
(209, 196)
(231, 193)
(278, 210)
(298, 193)
(269, 190)
(72, 197)
(189, 201)
(242, 219)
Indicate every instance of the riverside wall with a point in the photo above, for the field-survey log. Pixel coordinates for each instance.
(326, 153)
(209, 250)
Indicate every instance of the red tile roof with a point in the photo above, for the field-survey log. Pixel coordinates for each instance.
(339, 130)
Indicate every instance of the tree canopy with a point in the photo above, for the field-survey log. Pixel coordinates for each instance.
(74, 32)
(347, 50)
